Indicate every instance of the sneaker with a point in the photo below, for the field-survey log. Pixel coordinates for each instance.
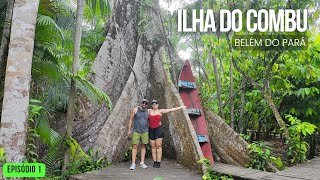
(133, 166)
(143, 165)
(157, 165)
(154, 164)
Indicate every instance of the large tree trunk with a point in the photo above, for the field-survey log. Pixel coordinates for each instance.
(111, 70)
(73, 89)
(128, 68)
(228, 144)
(17, 81)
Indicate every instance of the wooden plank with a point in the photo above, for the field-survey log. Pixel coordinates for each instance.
(239, 172)
(194, 111)
(187, 84)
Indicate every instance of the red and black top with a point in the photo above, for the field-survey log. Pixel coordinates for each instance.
(154, 120)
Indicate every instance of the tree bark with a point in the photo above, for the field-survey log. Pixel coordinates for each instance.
(15, 108)
(230, 147)
(73, 89)
(4, 46)
(276, 113)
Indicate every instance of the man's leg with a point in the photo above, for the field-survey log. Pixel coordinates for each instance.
(135, 142)
(143, 152)
(144, 142)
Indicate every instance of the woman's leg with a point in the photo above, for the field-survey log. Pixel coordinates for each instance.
(153, 150)
(159, 149)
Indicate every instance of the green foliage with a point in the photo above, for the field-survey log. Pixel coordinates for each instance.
(34, 112)
(86, 163)
(278, 163)
(210, 174)
(144, 17)
(3, 156)
(97, 9)
(128, 154)
(245, 137)
(260, 157)
(158, 178)
(93, 93)
(297, 145)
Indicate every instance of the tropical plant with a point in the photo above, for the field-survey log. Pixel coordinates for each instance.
(82, 162)
(32, 136)
(260, 157)
(210, 174)
(297, 145)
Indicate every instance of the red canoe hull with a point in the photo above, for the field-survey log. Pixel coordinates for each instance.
(191, 99)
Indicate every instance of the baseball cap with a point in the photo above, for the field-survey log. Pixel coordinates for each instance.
(144, 100)
(154, 101)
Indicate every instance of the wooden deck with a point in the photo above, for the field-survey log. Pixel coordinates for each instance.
(171, 170)
(306, 171)
(239, 172)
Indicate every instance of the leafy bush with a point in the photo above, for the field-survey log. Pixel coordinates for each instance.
(260, 157)
(245, 137)
(91, 162)
(297, 145)
(210, 174)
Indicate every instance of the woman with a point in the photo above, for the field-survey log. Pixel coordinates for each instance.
(155, 130)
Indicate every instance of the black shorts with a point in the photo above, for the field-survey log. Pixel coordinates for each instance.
(155, 133)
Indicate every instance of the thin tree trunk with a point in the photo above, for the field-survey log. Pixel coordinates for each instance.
(218, 85)
(4, 46)
(170, 51)
(242, 100)
(276, 113)
(15, 108)
(205, 73)
(73, 91)
(231, 97)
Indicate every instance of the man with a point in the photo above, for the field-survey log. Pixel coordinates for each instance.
(139, 117)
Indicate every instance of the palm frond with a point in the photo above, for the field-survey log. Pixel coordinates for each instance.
(76, 151)
(46, 69)
(98, 8)
(44, 20)
(92, 92)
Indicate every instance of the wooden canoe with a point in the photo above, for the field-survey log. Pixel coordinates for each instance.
(190, 97)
